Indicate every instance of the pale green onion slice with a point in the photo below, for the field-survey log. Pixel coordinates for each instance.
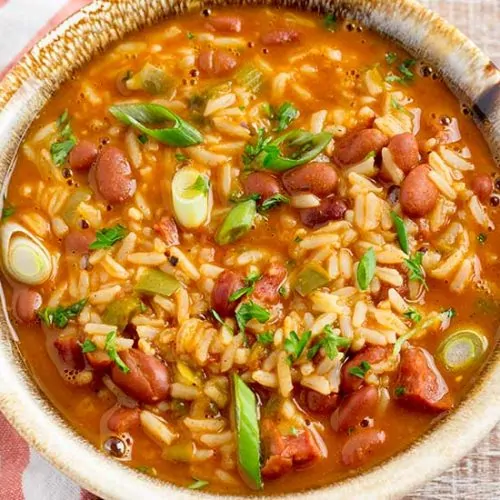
(462, 349)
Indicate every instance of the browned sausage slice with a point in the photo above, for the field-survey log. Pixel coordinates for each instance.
(167, 229)
(421, 385)
(354, 408)
(225, 24)
(147, 381)
(404, 150)
(318, 403)
(124, 419)
(262, 183)
(361, 445)
(227, 283)
(82, 155)
(216, 62)
(113, 175)
(482, 185)
(25, 303)
(356, 146)
(316, 178)
(328, 210)
(280, 37)
(418, 194)
(267, 288)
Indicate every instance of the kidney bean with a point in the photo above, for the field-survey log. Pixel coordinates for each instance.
(77, 242)
(357, 145)
(124, 419)
(280, 37)
(216, 62)
(404, 150)
(422, 386)
(113, 175)
(267, 288)
(316, 178)
(70, 352)
(482, 185)
(329, 209)
(354, 408)
(261, 183)
(82, 155)
(148, 379)
(418, 194)
(167, 229)
(360, 445)
(372, 355)
(25, 305)
(224, 24)
(227, 283)
(99, 360)
(318, 403)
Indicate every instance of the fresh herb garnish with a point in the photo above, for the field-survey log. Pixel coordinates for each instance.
(151, 471)
(395, 104)
(330, 22)
(265, 338)
(330, 343)
(481, 238)
(250, 310)
(60, 150)
(249, 287)
(200, 185)
(110, 348)
(251, 151)
(413, 315)
(406, 75)
(414, 265)
(107, 237)
(360, 370)
(59, 316)
(390, 57)
(282, 291)
(181, 158)
(449, 313)
(371, 154)
(400, 391)
(88, 346)
(366, 269)
(295, 345)
(218, 318)
(401, 232)
(142, 138)
(190, 35)
(7, 210)
(198, 484)
(272, 202)
(285, 115)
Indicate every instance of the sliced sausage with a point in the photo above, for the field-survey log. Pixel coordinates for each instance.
(83, 155)
(216, 62)
(124, 419)
(356, 146)
(113, 175)
(361, 445)
(482, 185)
(315, 402)
(329, 209)
(422, 386)
(418, 194)
(354, 408)
(267, 288)
(167, 229)
(317, 178)
(224, 24)
(99, 360)
(372, 355)
(70, 352)
(276, 466)
(25, 304)
(404, 150)
(262, 183)
(227, 283)
(147, 381)
(77, 242)
(280, 37)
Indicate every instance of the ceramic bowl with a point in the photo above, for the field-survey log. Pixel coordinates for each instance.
(23, 92)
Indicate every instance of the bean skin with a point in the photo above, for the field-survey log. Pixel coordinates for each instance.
(354, 408)
(267, 288)
(148, 379)
(317, 178)
(25, 303)
(280, 37)
(262, 183)
(404, 150)
(124, 419)
(482, 185)
(77, 242)
(360, 445)
(318, 403)
(329, 209)
(83, 155)
(227, 283)
(225, 24)
(216, 62)
(357, 145)
(418, 194)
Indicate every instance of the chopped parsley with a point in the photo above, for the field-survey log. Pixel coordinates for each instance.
(449, 313)
(107, 237)
(198, 484)
(395, 104)
(181, 157)
(330, 22)
(360, 370)
(391, 57)
(7, 210)
(406, 75)
(273, 201)
(284, 115)
(265, 338)
(143, 138)
(200, 185)
(88, 346)
(249, 287)
(295, 345)
(400, 391)
(416, 271)
(413, 315)
(190, 35)
(366, 269)
(481, 237)
(110, 348)
(218, 318)
(251, 151)
(151, 471)
(60, 150)
(282, 291)
(59, 316)
(330, 343)
(248, 311)
(371, 154)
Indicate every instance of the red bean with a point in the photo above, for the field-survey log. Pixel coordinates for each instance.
(113, 175)
(404, 150)
(482, 185)
(25, 303)
(318, 403)
(418, 194)
(124, 419)
(267, 288)
(216, 62)
(329, 209)
(148, 379)
(70, 352)
(354, 408)
(77, 242)
(316, 178)
(167, 229)
(279, 37)
(261, 183)
(225, 24)
(361, 445)
(227, 283)
(356, 146)
(82, 155)
(422, 386)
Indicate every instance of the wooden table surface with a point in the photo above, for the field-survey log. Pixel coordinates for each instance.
(477, 476)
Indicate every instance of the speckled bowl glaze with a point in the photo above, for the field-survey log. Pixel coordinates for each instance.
(24, 91)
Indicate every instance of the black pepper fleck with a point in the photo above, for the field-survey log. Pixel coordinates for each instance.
(445, 120)
(66, 173)
(393, 194)
(426, 71)
(84, 224)
(206, 12)
(494, 201)
(497, 184)
(173, 260)
(194, 73)
(265, 51)
(250, 45)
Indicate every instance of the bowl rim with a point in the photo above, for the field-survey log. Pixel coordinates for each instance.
(419, 31)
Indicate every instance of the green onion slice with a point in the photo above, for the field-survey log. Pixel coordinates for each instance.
(462, 349)
(293, 149)
(237, 222)
(180, 133)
